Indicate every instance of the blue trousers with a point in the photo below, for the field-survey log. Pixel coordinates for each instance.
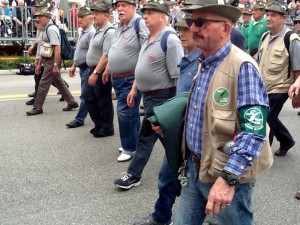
(191, 209)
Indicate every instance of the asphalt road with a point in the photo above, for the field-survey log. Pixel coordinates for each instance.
(53, 175)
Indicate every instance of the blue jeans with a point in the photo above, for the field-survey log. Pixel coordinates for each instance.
(147, 139)
(277, 128)
(98, 101)
(82, 111)
(167, 194)
(128, 118)
(191, 209)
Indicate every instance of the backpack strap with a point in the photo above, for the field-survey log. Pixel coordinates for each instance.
(163, 41)
(109, 28)
(287, 46)
(136, 26)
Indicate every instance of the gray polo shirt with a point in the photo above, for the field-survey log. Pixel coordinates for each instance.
(99, 45)
(156, 69)
(83, 44)
(125, 47)
(51, 34)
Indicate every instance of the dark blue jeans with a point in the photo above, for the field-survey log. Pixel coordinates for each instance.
(193, 199)
(98, 101)
(128, 118)
(167, 190)
(277, 129)
(82, 111)
(147, 139)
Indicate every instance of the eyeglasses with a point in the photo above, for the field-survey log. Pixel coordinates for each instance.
(296, 22)
(200, 22)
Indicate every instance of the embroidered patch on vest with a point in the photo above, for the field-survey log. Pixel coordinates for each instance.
(221, 96)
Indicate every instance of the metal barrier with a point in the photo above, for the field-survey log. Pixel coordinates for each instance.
(23, 34)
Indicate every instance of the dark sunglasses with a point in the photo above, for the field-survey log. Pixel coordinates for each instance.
(296, 22)
(200, 22)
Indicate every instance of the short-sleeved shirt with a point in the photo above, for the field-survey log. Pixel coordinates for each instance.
(256, 30)
(100, 44)
(125, 47)
(51, 34)
(39, 41)
(156, 69)
(83, 44)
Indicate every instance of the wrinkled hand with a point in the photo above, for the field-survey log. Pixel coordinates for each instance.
(294, 93)
(37, 70)
(105, 77)
(296, 102)
(30, 49)
(93, 79)
(157, 129)
(220, 196)
(55, 70)
(72, 72)
(130, 98)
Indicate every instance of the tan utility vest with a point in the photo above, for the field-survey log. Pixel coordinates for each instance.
(221, 122)
(274, 64)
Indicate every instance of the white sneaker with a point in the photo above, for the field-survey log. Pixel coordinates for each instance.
(121, 149)
(124, 157)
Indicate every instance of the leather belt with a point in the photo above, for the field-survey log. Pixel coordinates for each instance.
(82, 66)
(195, 159)
(116, 76)
(147, 93)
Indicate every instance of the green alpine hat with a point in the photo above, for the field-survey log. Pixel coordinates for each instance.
(215, 7)
(278, 6)
(259, 5)
(44, 11)
(101, 7)
(84, 11)
(157, 5)
(182, 22)
(133, 2)
(247, 11)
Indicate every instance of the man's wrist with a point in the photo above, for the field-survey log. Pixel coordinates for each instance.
(231, 179)
(95, 72)
(55, 64)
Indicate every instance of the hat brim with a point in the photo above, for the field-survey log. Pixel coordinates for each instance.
(85, 14)
(227, 11)
(149, 7)
(42, 14)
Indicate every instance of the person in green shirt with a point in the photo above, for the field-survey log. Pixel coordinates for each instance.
(246, 16)
(257, 26)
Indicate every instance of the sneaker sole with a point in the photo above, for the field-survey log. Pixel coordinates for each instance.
(130, 186)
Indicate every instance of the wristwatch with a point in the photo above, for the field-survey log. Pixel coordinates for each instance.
(95, 72)
(231, 179)
(55, 64)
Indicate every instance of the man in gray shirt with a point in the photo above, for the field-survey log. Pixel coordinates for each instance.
(51, 65)
(97, 95)
(155, 75)
(125, 47)
(85, 21)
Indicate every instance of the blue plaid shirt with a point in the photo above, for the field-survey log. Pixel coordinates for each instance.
(251, 91)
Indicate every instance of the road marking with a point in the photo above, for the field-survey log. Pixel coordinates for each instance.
(26, 96)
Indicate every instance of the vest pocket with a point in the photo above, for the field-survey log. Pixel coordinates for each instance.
(223, 122)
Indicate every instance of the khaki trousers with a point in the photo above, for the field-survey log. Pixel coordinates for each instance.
(45, 83)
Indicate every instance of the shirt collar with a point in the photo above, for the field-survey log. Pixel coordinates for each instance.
(217, 56)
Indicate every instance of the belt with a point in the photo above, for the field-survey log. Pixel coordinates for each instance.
(147, 93)
(116, 76)
(195, 159)
(82, 66)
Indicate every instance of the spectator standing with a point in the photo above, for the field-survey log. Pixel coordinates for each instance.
(85, 21)
(220, 87)
(257, 26)
(278, 77)
(51, 66)
(97, 95)
(21, 16)
(246, 15)
(155, 75)
(125, 47)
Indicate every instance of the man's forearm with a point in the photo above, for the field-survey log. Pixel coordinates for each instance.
(56, 49)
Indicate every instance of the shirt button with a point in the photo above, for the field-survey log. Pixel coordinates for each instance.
(202, 70)
(195, 107)
(207, 67)
(242, 167)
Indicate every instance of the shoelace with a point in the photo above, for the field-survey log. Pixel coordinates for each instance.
(125, 176)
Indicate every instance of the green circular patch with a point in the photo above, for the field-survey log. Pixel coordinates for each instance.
(254, 119)
(221, 96)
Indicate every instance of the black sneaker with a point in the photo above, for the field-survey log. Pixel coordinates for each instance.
(150, 221)
(127, 181)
